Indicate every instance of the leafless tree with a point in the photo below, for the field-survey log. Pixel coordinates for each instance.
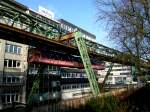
(128, 23)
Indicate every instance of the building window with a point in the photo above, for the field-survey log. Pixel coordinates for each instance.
(3, 99)
(13, 98)
(5, 63)
(73, 75)
(126, 73)
(13, 49)
(125, 69)
(11, 79)
(111, 73)
(4, 79)
(8, 80)
(17, 79)
(109, 78)
(9, 98)
(11, 63)
(16, 98)
(75, 86)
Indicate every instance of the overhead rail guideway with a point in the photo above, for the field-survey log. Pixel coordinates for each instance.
(20, 26)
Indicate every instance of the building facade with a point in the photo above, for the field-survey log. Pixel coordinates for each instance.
(45, 12)
(75, 83)
(13, 70)
(49, 82)
(62, 76)
(120, 74)
(69, 27)
(13, 67)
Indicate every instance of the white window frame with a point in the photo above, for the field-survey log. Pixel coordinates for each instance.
(12, 61)
(7, 98)
(8, 46)
(10, 98)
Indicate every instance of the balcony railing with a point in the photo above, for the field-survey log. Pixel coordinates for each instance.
(11, 81)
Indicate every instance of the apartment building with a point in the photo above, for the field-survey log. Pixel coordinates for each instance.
(120, 74)
(13, 69)
(70, 27)
(13, 66)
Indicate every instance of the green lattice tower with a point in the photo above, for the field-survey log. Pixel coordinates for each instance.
(110, 68)
(133, 72)
(87, 63)
(107, 75)
(34, 89)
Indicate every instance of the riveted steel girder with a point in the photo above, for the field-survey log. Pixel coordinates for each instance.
(27, 22)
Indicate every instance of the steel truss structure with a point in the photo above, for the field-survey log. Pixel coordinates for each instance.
(26, 21)
(23, 20)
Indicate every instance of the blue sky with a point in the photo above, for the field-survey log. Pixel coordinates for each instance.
(79, 12)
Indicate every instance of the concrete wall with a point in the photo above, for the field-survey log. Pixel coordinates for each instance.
(2, 54)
